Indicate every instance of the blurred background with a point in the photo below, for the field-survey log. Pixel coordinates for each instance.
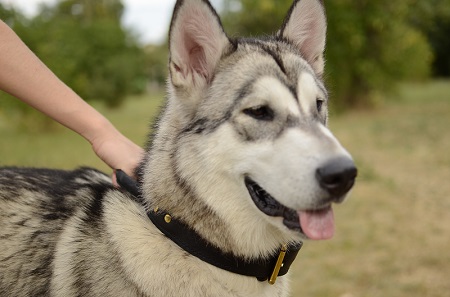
(387, 69)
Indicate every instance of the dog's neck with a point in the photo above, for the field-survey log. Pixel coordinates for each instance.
(265, 268)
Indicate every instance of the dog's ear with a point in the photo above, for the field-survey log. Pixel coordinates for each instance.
(196, 42)
(306, 26)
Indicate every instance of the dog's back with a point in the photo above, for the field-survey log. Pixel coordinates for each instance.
(36, 205)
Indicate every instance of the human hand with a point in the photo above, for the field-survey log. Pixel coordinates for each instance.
(118, 152)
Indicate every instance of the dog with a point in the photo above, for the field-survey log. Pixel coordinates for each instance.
(240, 170)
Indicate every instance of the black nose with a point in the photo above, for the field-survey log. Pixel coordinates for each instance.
(337, 176)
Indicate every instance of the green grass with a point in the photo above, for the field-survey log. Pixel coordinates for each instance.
(393, 233)
(62, 148)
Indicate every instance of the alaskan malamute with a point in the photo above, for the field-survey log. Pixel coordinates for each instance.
(241, 168)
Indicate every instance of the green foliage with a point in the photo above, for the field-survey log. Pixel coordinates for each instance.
(371, 44)
(84, 44)
(6, 15)
(254, 17)
(156, 61)
(433, 19)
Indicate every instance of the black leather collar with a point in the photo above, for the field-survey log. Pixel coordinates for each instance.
(263, 269)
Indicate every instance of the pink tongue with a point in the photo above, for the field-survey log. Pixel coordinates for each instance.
(317, 225)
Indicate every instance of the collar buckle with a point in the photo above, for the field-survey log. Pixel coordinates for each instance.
(278, 265)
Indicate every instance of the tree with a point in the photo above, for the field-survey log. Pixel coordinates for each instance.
(371, 47)
(9, 16)
(371, 44)
(156, 61)
(84, 43)
(433, 19)
(254, 17)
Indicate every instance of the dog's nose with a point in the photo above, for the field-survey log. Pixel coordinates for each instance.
(337, 176)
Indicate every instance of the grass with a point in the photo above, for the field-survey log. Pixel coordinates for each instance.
(62, 148)
(392, 233)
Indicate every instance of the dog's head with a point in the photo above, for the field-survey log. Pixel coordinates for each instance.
(249, 122)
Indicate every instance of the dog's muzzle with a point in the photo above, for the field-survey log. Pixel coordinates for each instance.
(335, 178)
(271, 207)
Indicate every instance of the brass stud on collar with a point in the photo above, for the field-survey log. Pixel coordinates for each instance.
(156, 209)
(167, 218)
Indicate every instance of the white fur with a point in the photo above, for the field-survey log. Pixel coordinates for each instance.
(308, 91)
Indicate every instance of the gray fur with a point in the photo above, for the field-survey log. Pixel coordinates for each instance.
(71, 233)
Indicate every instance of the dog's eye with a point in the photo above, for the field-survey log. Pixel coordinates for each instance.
(319, 103)
(261, 113)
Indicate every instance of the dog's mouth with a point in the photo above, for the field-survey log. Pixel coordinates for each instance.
(315, 224)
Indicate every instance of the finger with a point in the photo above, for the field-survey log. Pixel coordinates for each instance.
(114, 179)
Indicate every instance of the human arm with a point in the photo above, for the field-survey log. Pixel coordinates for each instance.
(24, 76)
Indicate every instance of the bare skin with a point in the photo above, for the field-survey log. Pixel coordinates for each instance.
(24, 76)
